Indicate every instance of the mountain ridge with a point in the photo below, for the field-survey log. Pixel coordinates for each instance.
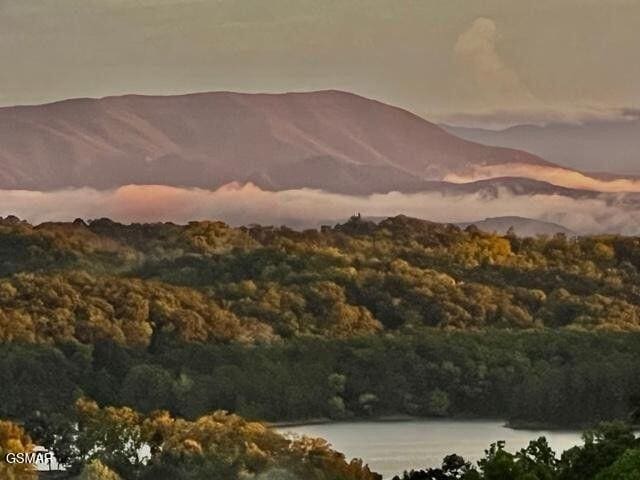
(521, 226)
(605, 148)
(209, 139)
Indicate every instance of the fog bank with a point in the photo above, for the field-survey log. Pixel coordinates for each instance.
(246, 204)
(559, 176)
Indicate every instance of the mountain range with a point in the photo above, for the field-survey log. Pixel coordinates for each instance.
(523, 227)
(595, 146)
(328, 140)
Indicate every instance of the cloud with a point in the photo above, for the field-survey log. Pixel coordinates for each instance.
(495, 82)
(498, 118)
(242, 205)
(631, 114)
(559, 176)
(497, 97)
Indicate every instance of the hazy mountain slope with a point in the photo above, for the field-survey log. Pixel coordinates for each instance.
(331, 140)
(523, 227)
(597, 146)
(493, 187)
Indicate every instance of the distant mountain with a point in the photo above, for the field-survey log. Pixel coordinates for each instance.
(523, 227)
(494, 187)
(328, 140)
(595, 146)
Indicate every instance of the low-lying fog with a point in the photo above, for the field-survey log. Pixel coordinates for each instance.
(246, 204)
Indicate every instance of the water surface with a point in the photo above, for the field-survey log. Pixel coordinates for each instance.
(390, 447)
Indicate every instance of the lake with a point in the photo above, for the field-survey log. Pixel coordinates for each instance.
(390, 447)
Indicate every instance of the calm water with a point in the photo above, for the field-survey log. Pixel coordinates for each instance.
(392, 447)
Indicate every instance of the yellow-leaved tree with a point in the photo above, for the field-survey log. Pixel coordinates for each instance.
(13, 439)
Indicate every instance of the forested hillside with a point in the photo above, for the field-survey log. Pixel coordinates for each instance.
(208, 282)
(352, 321)
(119, 443)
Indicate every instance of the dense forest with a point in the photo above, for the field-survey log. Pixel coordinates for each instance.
(113, 443)
(120, 443)
(358, 320)
(609, 452)
(208, 282)
(558, 378)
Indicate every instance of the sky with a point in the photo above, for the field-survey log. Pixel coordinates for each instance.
(442, 59)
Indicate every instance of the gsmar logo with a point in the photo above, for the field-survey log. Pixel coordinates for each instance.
(41, 456)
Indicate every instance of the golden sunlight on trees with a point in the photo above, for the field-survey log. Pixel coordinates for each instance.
(13, 440)
(209, 282)
(222, 445)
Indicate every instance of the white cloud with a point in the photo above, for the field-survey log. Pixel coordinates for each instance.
(247, 204)
(559, 176)
(495, 94)
(497, 118)
(495, 82)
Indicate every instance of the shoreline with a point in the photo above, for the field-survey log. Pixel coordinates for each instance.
(510, 424)
(327, 420)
